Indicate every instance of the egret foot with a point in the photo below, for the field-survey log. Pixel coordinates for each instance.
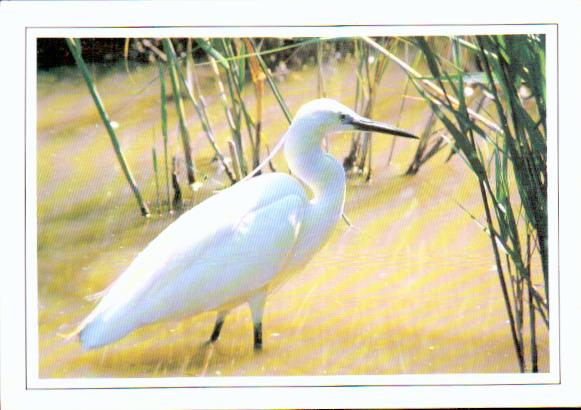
(257, 309)
(258, 336)
(218, 326)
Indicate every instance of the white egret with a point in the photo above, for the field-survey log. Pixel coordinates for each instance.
(240, 244)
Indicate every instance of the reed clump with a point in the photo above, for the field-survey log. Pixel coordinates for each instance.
(508, 154)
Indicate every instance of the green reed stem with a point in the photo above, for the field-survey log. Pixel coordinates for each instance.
(184, 132)
(154, 158)
(429, 84)
(203, 116)
(165, 135)
(515, 338)
(234, 155)
(75, 48)
(518, 150)
(235, 85)
(273, 86)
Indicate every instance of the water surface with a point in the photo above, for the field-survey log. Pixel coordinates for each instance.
(410, 288)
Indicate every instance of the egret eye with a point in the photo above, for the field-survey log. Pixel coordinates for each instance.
(344, 118)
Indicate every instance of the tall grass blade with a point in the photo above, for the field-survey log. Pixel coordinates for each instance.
(232, 114)
(163, 97)
(203, 116)
(258, 79)
(75, 48)
(235, 88)
(235, 160)
(212, 52)
(273, 86)
(429, 84)
(184, 132)
(519, 151)
(177, 200)
(155, 171)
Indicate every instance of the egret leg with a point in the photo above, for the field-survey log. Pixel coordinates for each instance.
(258, 336)
(257, 309)
(218, 326)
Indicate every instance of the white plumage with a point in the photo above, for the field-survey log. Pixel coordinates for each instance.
(239, 244)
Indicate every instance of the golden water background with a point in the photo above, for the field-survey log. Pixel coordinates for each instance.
(410, 288)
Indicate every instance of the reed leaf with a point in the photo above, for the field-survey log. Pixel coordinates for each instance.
(164, 133)
(428, 84)
(75, 48)
(273, 86)
(155, 171)
(203, 116)
(520, 151)
(184, 132)
(207, 47)
(236, 108)
(237, 103)
(258, 79)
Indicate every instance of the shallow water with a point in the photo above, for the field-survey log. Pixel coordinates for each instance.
(410, 288)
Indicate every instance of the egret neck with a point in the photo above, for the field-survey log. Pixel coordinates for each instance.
(324, 176)
(322, 173)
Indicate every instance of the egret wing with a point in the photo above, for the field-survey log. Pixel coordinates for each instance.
(209, 229)
(243, 263)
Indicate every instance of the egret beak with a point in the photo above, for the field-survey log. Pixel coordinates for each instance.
(364, 124)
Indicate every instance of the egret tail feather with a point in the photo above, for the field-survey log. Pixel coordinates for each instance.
(99, 333)
(68, 337)
(96, 296)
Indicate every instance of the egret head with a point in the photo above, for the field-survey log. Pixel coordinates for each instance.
(325, 116)
(319, 118)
